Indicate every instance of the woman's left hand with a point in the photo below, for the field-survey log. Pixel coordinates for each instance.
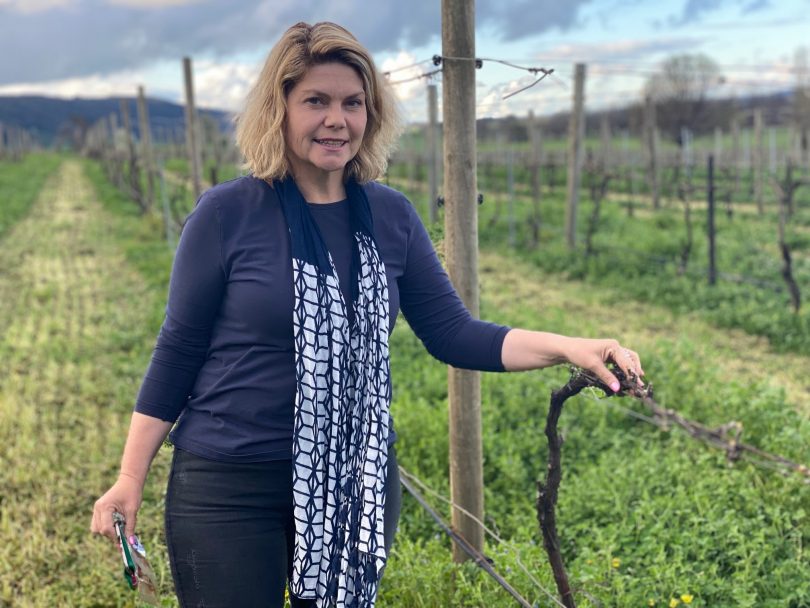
(525, 349)
(595, 354)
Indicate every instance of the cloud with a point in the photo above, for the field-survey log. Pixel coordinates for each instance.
(93, 86)
(547, 97)
(517, 19)
(36, 6)
(694, 10)
(223, 85)
(152, 4)
(620, 50)
(217, 85)
(31, 6)
(405, 75)
(756, 5)
(58, 39)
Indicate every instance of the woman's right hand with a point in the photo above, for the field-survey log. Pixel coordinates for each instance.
(124, 497)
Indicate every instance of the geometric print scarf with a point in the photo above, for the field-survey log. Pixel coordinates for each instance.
(343, 393)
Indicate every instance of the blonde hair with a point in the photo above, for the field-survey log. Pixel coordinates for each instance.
(260, 126)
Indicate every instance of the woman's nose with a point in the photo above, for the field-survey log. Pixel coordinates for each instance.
(334, 117)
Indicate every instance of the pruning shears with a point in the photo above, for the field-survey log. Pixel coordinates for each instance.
(138, 573)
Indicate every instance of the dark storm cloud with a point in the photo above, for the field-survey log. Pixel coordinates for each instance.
(91, 36)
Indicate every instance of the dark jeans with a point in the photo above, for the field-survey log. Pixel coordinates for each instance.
(230, 530)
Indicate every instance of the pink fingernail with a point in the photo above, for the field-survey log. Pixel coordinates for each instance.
(132, 540)
(614, 386)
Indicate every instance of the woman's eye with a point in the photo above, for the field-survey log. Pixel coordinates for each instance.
(355, 103)
(313, 100)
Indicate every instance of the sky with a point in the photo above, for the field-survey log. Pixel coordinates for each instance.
(100, 48)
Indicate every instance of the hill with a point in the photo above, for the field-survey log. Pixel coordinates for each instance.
(52, 121)
(717, 112)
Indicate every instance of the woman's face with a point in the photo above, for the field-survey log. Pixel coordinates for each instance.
(326, 120)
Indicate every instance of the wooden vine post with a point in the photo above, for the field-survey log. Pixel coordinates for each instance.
(735, 151)
(146, 148)
(685, 189)
(433, 152)
(132, 158)
(759, 161)
(710, 228)
(651, 141)
(461, 247)
(576, 143)
(193, 143)
(535, 163)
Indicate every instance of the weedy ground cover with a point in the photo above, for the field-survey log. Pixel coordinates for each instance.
(643, 254)
(643, 515)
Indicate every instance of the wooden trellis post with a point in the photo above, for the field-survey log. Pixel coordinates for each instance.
(576, 135)
(192, 131)
(433, 152)
(735, 150)
(536, 162)
(132, 156)
(651, 142)
(605, 137)
(710, 222)
(461, 249)
(146, 148)
(759, 161)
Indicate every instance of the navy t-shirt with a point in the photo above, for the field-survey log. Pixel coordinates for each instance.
(224, 363)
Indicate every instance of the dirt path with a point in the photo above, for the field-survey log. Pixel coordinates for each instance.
(575, 308)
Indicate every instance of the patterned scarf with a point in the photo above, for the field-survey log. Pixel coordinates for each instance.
(340, 444)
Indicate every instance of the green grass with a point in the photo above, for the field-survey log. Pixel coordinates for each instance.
(81, 310)
(20, 182)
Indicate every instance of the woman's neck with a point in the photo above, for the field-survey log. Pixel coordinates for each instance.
(323, 188)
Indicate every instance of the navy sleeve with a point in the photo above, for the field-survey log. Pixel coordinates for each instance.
(195, 293)
(436, 313)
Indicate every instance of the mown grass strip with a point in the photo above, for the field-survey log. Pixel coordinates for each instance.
(20, 183)
(79, 329)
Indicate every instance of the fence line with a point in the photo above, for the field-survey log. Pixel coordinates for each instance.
(480, 560)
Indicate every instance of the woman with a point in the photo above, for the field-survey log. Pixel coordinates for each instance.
(272, 362)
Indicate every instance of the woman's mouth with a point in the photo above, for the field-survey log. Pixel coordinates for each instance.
(331, 143)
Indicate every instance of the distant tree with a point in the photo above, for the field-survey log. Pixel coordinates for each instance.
(680, 89)
(73, 132)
